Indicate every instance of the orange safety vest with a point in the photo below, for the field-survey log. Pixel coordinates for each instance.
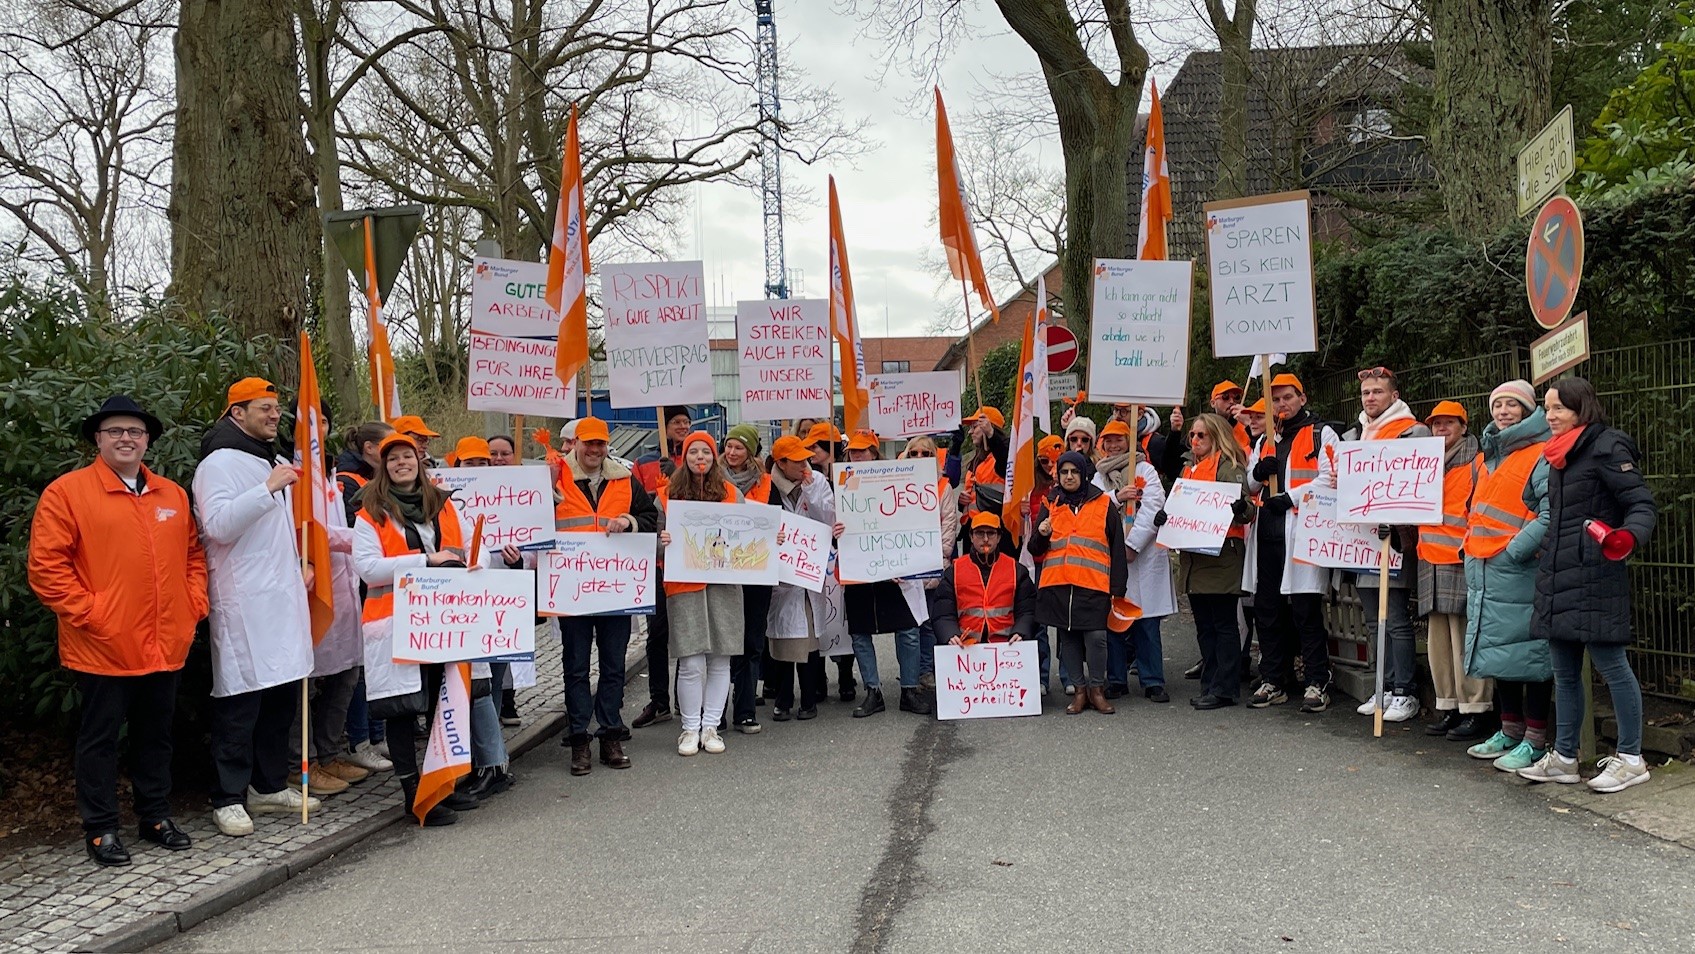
(988, 472)
(730, 496)
(1079, 555)
(574, 515)
(985, 609)
(1440, 543)
(1498, 512)
(1242, 437)
(760, 492)
(1303, 456)
(1395, 429)
(379, 598)
(1208, 470)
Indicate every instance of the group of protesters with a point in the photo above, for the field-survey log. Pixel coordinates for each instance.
(1524, 574)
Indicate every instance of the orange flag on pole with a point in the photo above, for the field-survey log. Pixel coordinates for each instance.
(385, 393)
(1156, 188)
(844, 322)
(1021, 448)
(312, 493)
(957, 236)
(568, 262)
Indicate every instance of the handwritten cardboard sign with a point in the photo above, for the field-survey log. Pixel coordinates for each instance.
(913, 404)
(1394, 482)
(1319, 540)
(1198, 515)
(516, 376)
(656, 334)
(509, 298)
(1139, 336)
(783, 350)
(721, 543)
(803, 551)
(598, 574)
(833, 638)
(449, 615)
(516, 503)
(987, 681)
(892, 519)
(1259, 265)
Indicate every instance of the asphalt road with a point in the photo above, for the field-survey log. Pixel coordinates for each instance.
(1159, 828)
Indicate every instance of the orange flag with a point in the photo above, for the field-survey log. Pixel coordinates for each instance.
(957, 237)
(385, 393)
(312, 493)
(844, 322)
(1021, 449)
(447, 755)
(568, 263)
(1156, 188)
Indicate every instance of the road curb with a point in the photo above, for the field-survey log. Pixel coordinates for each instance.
(161, 927)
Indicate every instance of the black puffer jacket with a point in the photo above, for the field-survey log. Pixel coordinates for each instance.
(1581, 596)
(878, 607)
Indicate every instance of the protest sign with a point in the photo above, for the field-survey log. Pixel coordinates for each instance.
(656, 335)
(891, 515)
(833, 638)
(803, 551)
(516, 503)
(1198, 515)
(783, 351)
(913, 404)
(1259, 265)
(1394, 482)
(1139, 335)
(453, 615)
(516, 376)
(1319, 540)
(721, 543)
(987, 681)
(509, 298)
(598, 574)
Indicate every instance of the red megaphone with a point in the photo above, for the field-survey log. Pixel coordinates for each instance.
(1615, 544)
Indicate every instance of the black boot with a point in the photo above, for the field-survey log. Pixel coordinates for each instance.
(489, 782)
(509, 707)
(913, 700)
(1470, 728)
(872, 705)
(434, 818)
(1446, 720)
(461, 799)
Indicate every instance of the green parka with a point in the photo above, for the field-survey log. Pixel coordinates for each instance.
(1500, 590)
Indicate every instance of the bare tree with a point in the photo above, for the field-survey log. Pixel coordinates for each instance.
(1235, 34)
(84, 125)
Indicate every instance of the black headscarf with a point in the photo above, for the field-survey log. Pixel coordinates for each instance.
(1083, 494)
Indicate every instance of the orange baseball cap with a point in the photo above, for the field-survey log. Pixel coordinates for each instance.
(1287, 380)
(822, 432)
(992, 414)
(248, 389)
(413, 424)
(1051, 447)
(1224, 387)
(983, 518)
(394, 440)
(1258, 407)
(789, 447)
(1116, 427)
(471, 448)
(863, 440)
(1448, 409)
(592, 429)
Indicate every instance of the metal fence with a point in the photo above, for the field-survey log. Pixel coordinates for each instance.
(1649, 393)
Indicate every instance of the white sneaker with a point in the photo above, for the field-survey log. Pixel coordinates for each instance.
(1368, 706)
(382, 749)
(286, 801)
(233, 820)
(1401, 708)
(689, 743)
(1618, 775)
(366, 756)
(1554, 768)
(710, 741)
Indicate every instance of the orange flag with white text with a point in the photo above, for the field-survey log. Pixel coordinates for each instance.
(955, 217)
(568, 262)
(844, 322)
(1021, 448)
(1156, 188)
(312, 493)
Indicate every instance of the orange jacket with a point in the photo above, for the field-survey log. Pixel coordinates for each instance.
(123, 571)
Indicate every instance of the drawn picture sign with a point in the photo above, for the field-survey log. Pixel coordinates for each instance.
(891, 514)
(721, 543)
(987, 681)
(598, 574)
(833, 638)
(656, 334)
(1393, 482)
(455, 615)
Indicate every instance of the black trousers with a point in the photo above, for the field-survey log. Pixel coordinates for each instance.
(659, 650)
(401, 731)
(146, 703)
(780, 682)
(250, 742)
(745, 666)
(1221, 644)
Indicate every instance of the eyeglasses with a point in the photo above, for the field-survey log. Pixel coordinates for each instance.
(1072, 471)
(133, 433)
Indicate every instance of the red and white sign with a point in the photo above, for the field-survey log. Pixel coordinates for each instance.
(988, 680)
(1553, 264)
(1062, 349)
(1393, 482)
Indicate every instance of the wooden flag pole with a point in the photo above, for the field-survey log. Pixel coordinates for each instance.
(518, 436)
(305, 710)
(971, 345)
(1382, 634)
(1273, 427)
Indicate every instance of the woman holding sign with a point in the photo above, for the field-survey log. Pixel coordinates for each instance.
(1599, 512)
(406, 521)
(743, 469)
(706, 618)
(1079, 540)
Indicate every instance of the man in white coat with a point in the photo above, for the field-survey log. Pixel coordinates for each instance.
(261, 628)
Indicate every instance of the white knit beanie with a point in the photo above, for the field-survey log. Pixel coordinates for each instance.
(1520, 391)
(1081, 423)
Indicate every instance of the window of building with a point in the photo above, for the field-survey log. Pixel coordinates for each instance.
(896, 367)
(1370, 123)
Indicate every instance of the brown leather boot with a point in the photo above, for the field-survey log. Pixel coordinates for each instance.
(1079, 702)
(581, 762)
(1097, 701)
(612, 753)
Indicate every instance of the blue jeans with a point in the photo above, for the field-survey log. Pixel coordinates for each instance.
(361, 727)
(488, 746)
(1145, 642)
(1609, 661)
(611, 636)
(1400, 663)
(907, 653)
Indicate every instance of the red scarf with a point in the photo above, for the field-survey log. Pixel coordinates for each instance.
(1558, 447)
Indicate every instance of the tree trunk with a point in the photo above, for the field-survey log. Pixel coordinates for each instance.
(1235, 43)
(1493, 67)
(244, 219)
(336, 320)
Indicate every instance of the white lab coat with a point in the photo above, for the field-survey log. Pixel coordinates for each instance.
(1297, 577)
(1148, 583)
(261, 627)
(787, 618)
(340, 649)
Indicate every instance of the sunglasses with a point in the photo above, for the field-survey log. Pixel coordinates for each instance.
(920, 453)
(1377, 372)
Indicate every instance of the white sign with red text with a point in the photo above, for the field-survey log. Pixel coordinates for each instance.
(783, 351)
(803, 551)
(1320, 541)
(1397, 482)
(1198, 515)
(454, 615)
(891, 516)
(656, 334)
(913, 404)
(598, 574)
(988, 681)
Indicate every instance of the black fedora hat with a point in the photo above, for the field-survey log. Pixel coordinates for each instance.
(121, 405)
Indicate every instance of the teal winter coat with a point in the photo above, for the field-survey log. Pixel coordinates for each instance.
(1501, 590)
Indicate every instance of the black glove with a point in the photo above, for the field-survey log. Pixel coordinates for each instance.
(1267, 468)
(1384, 530)
(1159, 519)
(1278, 506)
(1241, 510)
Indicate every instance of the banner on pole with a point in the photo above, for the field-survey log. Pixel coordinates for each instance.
(656, 334)
(1393, 482)
(721, 543)
(987, 681)
(891, 514)
(783, 352)
(1259, 268)
(1319, 540)
(1198, 515)
(598, 574)
(516, 503)
(453, 615)
(914, 404)
(1139, 336)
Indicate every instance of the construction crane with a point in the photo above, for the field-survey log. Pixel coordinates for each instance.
(770, 151)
